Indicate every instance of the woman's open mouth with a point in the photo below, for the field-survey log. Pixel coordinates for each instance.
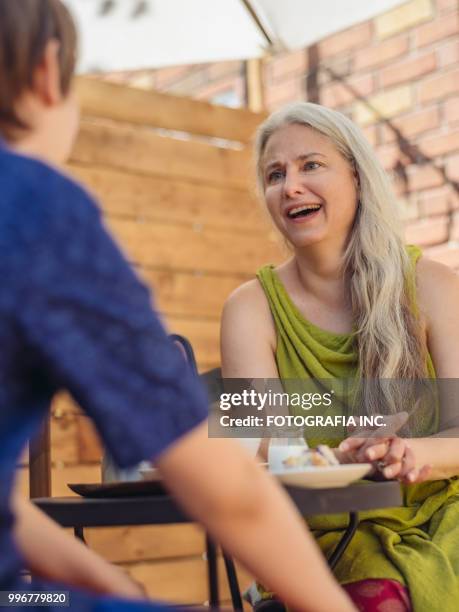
(299, 214)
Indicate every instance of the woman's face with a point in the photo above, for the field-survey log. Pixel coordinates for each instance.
(309, 188)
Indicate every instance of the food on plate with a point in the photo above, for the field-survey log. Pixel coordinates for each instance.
(322, 456)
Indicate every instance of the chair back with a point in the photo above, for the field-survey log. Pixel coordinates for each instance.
(40, 462)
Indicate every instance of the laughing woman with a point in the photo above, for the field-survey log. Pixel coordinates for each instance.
(354, 302)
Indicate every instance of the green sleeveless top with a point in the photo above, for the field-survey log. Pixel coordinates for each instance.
(414, 544)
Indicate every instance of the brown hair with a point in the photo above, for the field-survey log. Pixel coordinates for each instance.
(26, 26)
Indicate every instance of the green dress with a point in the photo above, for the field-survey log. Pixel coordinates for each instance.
(416, 544)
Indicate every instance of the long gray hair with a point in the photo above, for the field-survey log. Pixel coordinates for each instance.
(380, 277)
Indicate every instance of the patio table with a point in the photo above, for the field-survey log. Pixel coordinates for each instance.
(161, 509)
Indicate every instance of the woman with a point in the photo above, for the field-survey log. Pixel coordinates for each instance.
(74, 316)
(353, 302)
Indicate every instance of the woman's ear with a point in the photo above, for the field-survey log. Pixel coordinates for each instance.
(47, 76)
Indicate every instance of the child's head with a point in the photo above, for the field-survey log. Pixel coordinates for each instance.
(37, 60)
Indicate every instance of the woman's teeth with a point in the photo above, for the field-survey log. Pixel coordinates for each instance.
(302, 211)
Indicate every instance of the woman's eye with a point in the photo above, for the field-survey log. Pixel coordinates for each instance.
(311, 165)
(274, 176)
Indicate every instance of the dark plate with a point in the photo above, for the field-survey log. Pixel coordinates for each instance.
(118, 489)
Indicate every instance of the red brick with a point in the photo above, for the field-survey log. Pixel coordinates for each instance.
(166, 76)
(208, 90)
(390, 155)
(444, 5)
(408, 70)
(337, 67)
(448, 54)
(218, 70)
(437, 201)
(404, 17)
(412, 124)
(424, 177)
(451, 110)
(452, 168)
(448, 255)
(439, 87)
(286, 64)
(114, 77)
(440, 145)
(438, 29)
(339, 93)
(190, 84)
(371, 134)
(352, 38)
(287, 91)
(426, 232)
(408, 208)
(455, 227)
(382, 53)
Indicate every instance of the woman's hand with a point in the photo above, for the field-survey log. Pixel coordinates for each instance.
(392, 456)
(51, 553)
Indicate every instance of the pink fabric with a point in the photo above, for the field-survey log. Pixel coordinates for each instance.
(379, 596)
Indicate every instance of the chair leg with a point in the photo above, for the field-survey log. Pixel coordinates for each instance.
(79, 533)
(345, 539)
(212, 574)
(233, 583)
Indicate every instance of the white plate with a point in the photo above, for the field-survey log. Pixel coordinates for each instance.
(323, 477)
(149, 473)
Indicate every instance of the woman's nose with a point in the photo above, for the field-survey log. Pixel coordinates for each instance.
(292, 184)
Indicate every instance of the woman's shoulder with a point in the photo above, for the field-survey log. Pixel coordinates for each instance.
(437, 287)
(247, 308)
(248, 296)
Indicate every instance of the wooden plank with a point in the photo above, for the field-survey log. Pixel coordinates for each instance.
(185, 294)
(149, 542)
(64, 438)
(255, 86)
(88, 442)
(204, 337)
(60, 476)
(145, 152)
(121, 103)
(197, 250)
(182, 581)
(160, 199)
(40, 461)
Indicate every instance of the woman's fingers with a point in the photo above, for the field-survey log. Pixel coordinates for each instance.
(392, 463)
(399, 461)
(412, 473)
(377, 450)
(351, 444)
(396, 451)
(415, 476)
(409, 462)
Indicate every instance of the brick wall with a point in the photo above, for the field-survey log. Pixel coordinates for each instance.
(398, 77)
(221, 83)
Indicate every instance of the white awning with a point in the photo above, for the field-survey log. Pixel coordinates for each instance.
(135, 34)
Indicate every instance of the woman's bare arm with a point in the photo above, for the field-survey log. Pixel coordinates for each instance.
(438, 298)
(252, 518)
(438, 295)
(248, 343)
(52, 554)
(248, 337)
